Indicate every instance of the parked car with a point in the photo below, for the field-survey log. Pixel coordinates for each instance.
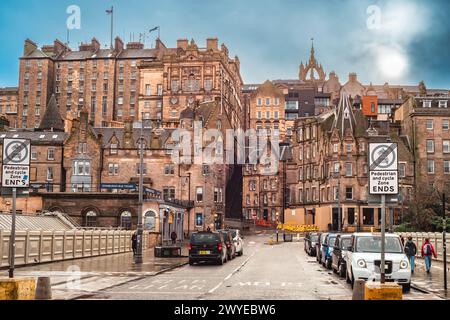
(310, 243)
(238, 242)
(363, 259)
(327, 249)
(319, 246)
(228, 238)
(207, 247)
(341, 245)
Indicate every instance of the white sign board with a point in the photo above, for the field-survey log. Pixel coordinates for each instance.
(383, 168)
(16, 163)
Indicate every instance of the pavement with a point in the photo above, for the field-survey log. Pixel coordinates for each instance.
(75, 279)
(432, 282)
(265, 272)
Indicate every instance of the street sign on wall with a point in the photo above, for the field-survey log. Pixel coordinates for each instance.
(16, 163)
(383, 168)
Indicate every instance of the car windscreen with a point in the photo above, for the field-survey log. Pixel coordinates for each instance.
(331, 241)
(345, 243)
(373, 244)
(314, 238)
(205, 238)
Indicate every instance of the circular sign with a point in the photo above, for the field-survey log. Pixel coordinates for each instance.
(387, 161)
(16, 152)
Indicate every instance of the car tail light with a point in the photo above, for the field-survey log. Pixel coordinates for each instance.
(219, 247)
(190, 246)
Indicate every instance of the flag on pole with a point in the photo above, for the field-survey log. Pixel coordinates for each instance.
(110, 11)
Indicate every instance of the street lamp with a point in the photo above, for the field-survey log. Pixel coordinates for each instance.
(140, 228)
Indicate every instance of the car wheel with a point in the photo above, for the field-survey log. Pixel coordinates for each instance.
(220, 262)
(406, 287)
(191, 263)
(353, 280)
(328, 263)
(342, 270)
(347, 278)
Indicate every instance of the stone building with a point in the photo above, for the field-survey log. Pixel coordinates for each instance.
(126, 81)
(8, 105)
(330, 168)
(425, 121)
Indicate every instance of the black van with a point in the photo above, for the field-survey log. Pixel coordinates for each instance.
(207, 247)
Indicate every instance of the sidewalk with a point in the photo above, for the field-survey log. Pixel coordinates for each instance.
(84, 277)
(432, 282)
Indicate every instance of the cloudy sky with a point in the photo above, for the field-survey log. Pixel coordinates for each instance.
(395, 41)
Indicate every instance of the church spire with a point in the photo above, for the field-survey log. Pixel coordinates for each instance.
(312, 69)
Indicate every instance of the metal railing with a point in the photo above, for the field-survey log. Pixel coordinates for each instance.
(435, 239)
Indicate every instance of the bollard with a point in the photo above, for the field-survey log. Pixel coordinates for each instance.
(43, 289)
(359, 290)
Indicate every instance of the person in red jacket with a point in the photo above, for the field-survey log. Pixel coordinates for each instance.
(427, 253)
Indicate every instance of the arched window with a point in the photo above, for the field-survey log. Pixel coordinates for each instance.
(91, 219)
(150, 221)
(125, 220)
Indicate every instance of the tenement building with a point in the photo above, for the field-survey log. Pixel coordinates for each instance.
(127, 81)
(328, 173)
(8, 105)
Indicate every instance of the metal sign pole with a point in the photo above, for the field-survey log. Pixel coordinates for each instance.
(12, 239)
(383, 238)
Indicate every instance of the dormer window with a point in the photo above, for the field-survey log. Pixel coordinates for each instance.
(427, 103)
(442, 103)
(113, 148)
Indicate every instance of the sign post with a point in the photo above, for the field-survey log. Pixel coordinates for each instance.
(15, 174)
(383, 180)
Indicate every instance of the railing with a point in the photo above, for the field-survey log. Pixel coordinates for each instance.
(34, 247)
(435, 239)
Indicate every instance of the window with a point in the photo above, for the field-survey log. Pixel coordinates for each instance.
(426, 103)
(429, 124)
(125, 220)
(277, 101)
(336, 193)
(258, 115)
(113, 148)
(34, 154)
(148, 90)
(113, 169)
(169, 169)
(276, 115)
(150, 221)
(402, 170)
(349, 147)
(169, 193)
(267, 101)
(349, 193)
(430, 166)
(160, 90)
(218, 195)
(445, 124)
(337, 167)
(91, 219)
(199, 219)
(49, 174)
(51, 154)
(199, 194)
(335, 147)
(430, 146)
(252, 185)
(120, 100)
(372, 107)
(446, 166)
(144, 169)
(82, 168)
(348, 169)
(174, 85)
(446, 146)
(259, 102)
(442, 103)
(192, 85)
(82, 147)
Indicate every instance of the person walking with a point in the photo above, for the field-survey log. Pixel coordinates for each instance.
(427, 253)
(134, 243)
(174, 237)
(411, 251)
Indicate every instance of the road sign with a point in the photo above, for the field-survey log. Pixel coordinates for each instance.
(16, 152)
(16, 163)
(383, 169)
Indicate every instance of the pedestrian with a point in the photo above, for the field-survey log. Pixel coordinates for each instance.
(411, 251)
(134, 243)
(427, 253)
(174, 237)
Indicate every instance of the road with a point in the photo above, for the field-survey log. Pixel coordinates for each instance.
(264, 272)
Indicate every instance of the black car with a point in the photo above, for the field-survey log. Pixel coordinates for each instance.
(228, 238)
(207, 247)
(310, 243)
(341, 245)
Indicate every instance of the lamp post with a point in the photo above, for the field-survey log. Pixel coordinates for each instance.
(140, 229)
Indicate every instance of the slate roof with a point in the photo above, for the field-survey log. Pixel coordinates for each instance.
(52, 120)
(35, 136)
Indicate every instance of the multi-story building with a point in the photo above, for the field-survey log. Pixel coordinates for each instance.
(425, 120)
(122, 82)
(8, 105)
(329, 169)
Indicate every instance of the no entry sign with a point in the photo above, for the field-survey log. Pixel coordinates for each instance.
(16, 163)
(383, 168)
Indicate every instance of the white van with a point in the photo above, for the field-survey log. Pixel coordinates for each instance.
(364, 258)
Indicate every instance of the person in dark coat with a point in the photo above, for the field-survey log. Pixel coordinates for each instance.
(174, 237)
(134, 243)
(411, 251)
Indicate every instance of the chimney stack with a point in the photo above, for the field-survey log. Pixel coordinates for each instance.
(118, 44)
(29, 47)
(212, 44)
(182, 43)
